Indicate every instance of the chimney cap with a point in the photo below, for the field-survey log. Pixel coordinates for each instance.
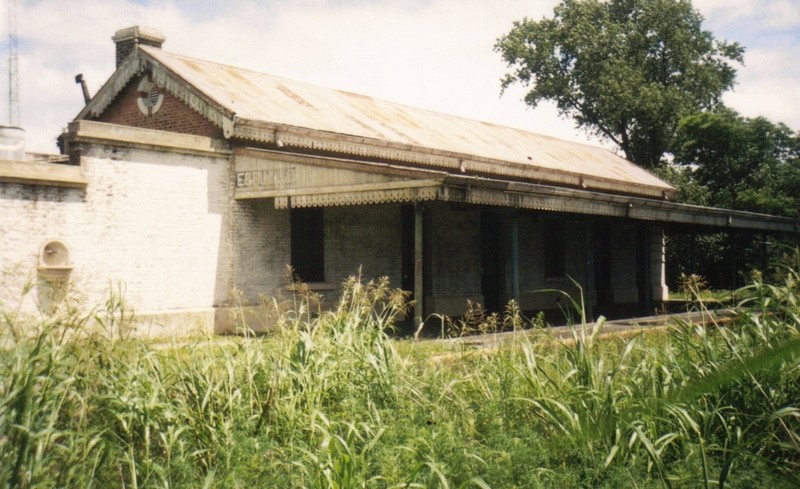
(149, 35)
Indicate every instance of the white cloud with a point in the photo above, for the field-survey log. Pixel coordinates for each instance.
(769, 86)
(726, 10)
(776, 14)
(435, 54)
(783, 14)
(769, 82)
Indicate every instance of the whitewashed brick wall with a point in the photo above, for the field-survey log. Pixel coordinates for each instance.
(154, 222)
(367, 238)
(261, 249)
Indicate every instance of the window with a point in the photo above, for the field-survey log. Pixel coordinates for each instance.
(554, 249)
(308, 244)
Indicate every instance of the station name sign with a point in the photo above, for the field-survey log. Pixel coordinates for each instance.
(267, 175)
(267, 178)
(257, 174)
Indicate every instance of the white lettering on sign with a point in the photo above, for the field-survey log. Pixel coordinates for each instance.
(278, 177)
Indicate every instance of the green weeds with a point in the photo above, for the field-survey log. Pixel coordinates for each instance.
(331, 400)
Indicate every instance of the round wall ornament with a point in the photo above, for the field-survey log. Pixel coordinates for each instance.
(151, 96)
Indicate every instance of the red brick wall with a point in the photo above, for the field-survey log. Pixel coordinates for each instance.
(173, 115)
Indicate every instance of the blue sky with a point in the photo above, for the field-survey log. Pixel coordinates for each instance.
(435, 54)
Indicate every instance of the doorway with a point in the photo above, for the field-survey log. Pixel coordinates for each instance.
(602, 270)
(493, 268)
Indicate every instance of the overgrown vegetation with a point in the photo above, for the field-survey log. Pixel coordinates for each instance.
(333, 401)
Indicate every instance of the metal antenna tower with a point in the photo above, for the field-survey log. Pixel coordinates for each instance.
(13, 65)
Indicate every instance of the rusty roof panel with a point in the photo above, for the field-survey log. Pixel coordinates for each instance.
(262, 97)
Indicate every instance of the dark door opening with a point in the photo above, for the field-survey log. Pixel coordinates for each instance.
(308, 244)
(602, 271)
(643, 269)
(492, 262)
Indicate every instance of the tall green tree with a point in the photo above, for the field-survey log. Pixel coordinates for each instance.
(743, 163)
(628, 70)
(725, 160)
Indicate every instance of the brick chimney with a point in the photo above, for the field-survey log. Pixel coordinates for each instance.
(127, 39)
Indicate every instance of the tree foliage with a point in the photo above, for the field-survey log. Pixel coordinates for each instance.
(725, 160)
(628, 70)
(743, 163)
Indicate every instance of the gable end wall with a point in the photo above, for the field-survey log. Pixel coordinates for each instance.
(173, 115)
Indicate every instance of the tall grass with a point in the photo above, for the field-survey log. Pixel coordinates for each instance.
(332, 400)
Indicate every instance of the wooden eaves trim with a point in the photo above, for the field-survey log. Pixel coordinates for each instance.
(422, 185)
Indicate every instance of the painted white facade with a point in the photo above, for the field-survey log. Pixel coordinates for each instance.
(150, 221)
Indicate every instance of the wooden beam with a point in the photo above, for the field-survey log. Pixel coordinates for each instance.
(337, 189)
(46, 174)
(103, 133)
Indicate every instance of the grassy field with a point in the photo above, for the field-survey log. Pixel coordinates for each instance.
(332, 401)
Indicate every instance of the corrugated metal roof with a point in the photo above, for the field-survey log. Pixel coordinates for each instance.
(267, 98)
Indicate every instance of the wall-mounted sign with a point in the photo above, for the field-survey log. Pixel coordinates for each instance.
(267, 179)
